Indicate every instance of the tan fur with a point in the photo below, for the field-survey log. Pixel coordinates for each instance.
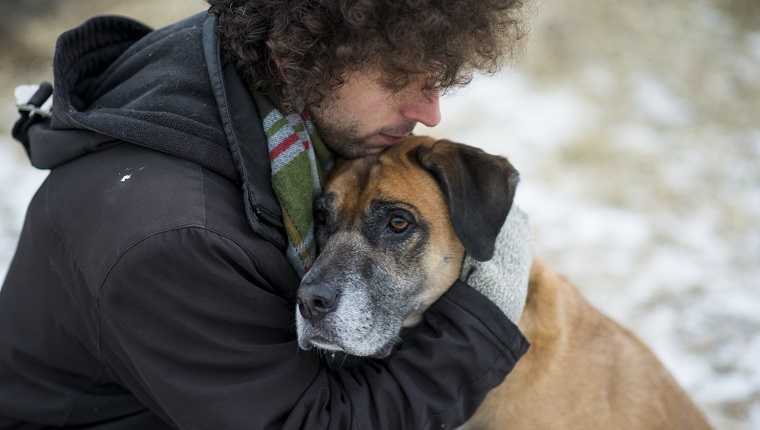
(582, 371)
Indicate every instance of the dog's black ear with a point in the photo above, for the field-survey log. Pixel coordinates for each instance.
(480, 188)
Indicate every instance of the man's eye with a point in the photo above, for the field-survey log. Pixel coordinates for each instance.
(398, 224)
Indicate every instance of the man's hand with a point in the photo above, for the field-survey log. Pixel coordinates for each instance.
(504, 278)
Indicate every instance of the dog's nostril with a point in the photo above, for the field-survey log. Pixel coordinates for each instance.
(322, 303)
(315, 301)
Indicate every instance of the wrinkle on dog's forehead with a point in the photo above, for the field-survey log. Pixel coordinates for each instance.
(392, 177)
(350, 172)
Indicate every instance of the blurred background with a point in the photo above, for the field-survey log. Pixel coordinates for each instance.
(636, 129)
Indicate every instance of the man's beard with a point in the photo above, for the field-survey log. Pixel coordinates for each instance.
(343, 137)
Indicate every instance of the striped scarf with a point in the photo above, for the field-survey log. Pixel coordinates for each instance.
(300, 162)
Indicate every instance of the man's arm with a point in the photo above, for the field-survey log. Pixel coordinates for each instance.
(189, 325)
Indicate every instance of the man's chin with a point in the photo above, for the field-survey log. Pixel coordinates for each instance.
(362, 147)
(357, 150)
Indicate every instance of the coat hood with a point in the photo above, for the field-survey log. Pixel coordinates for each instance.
(117, 81)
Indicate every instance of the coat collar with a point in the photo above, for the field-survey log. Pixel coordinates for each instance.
(244, 131)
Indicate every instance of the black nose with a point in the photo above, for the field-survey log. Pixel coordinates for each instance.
(316, 301)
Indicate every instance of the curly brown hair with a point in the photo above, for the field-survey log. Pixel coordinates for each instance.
(319, 42)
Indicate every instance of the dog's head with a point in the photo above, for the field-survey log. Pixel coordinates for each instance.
(392, 231)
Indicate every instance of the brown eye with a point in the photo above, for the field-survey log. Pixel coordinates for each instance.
(320, 218)
(398, 224)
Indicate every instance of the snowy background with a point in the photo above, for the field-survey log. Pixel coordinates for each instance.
(636, 129)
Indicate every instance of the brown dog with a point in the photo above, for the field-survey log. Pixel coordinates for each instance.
(393, 230)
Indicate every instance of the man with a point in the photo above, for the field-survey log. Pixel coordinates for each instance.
(153, 284)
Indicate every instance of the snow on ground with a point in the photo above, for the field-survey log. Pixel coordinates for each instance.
(638, 145)
(18, 182)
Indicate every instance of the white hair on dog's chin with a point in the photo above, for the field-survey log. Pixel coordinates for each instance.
(356, 329)
(352, 327)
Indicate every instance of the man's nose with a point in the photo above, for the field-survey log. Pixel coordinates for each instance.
(423, 107)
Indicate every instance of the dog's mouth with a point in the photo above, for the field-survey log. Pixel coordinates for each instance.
(310, 337)
(330, 345)
(321, 343)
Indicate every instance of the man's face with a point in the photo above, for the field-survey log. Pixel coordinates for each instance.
(364, 117)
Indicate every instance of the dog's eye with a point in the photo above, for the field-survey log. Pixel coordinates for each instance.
(398, 224)
(320, 218)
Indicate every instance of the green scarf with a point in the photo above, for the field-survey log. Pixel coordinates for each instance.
(300, 162)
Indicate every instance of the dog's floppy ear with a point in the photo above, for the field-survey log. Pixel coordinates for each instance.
(480, 188)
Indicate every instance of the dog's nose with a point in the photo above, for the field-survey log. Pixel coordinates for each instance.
(316, 301)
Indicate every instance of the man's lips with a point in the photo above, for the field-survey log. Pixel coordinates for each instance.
(391, 138)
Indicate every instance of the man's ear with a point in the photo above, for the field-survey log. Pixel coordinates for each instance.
(480, 189)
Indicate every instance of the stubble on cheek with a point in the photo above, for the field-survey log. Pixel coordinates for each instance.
(341, 138)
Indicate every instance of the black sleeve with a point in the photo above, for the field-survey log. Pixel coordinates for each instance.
(188, 326)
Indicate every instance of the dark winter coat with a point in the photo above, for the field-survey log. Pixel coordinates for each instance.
(150, 287)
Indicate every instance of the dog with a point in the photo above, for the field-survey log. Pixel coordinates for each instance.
(393, 230)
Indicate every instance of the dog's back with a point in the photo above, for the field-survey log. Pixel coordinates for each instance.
(583, 371)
